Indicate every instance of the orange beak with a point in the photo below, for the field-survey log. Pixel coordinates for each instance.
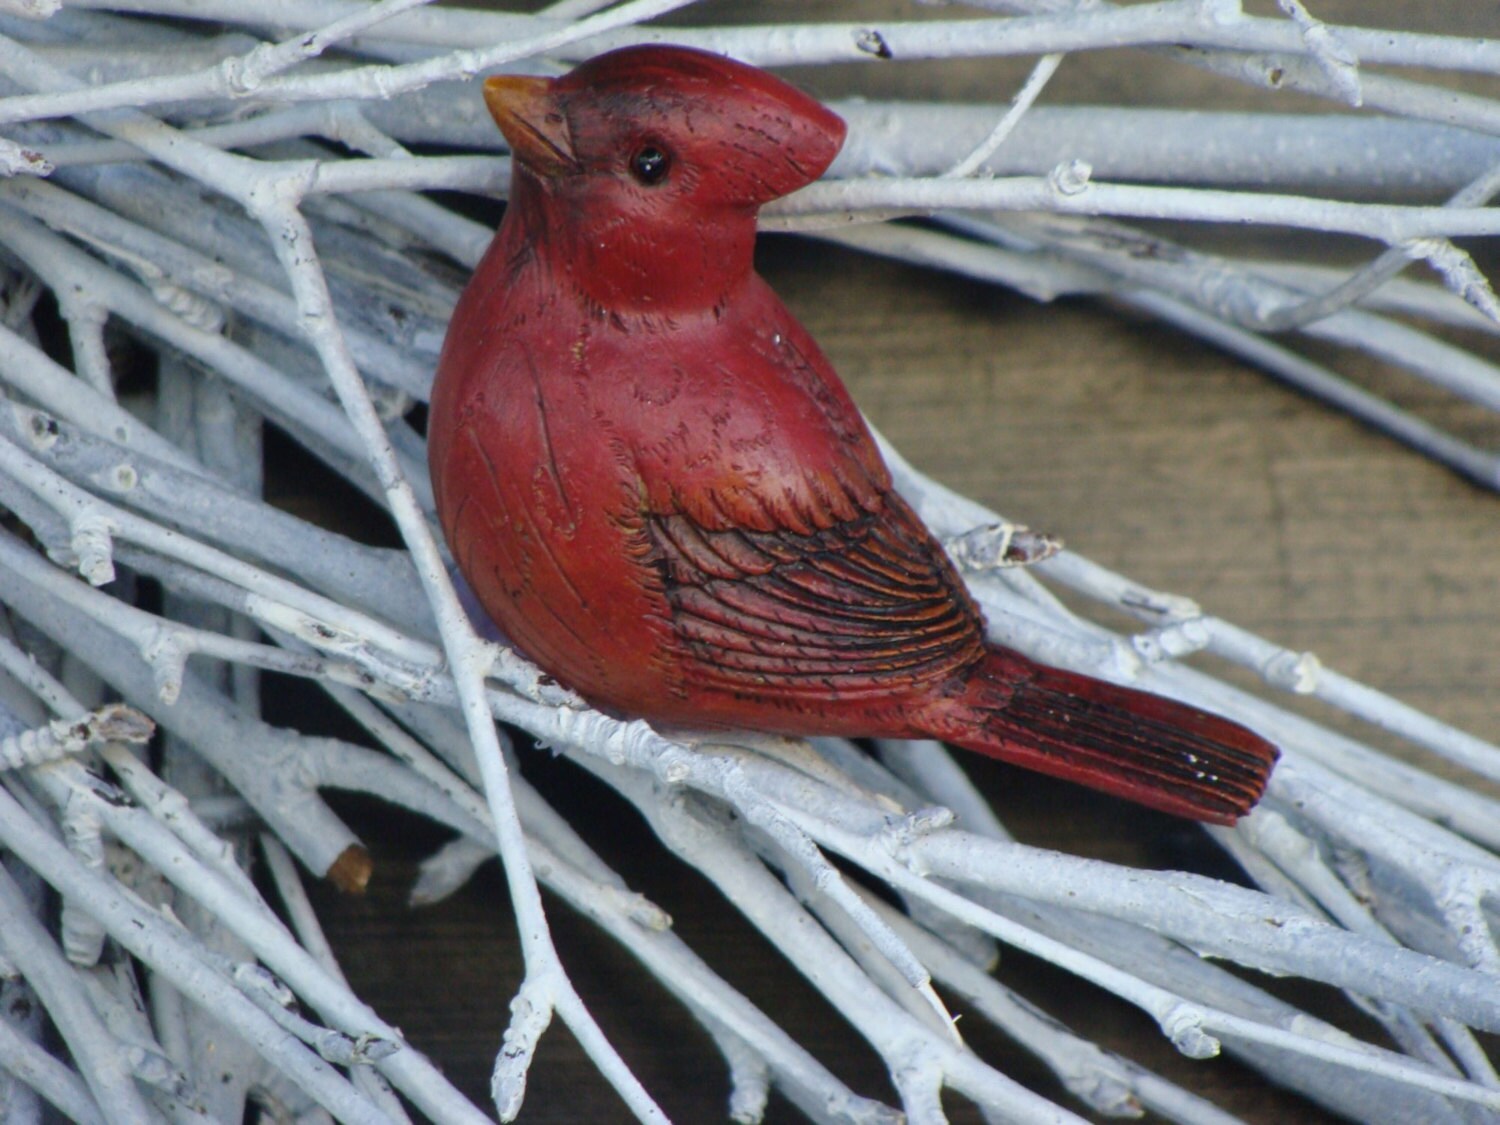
(528, 114)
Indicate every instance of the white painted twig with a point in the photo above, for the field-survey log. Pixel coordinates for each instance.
(243, 911)
(26, 945)
(912, 1048)
(1193, 22)
(1383, 222)
(1045, 68)
(60, 1087)
(171, 502)
(61, 737)
(152, 939)
(310, 933)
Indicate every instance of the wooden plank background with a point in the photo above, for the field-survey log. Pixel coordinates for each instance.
(1146, 451)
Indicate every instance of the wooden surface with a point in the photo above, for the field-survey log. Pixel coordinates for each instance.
(1149, 453)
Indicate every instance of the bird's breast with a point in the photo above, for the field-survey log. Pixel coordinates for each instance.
(534, 473)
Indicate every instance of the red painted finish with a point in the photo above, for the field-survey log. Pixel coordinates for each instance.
(660, 490)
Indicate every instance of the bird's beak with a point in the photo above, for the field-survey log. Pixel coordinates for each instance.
(527, 111)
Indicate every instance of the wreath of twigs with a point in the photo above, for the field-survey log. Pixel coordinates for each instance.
(238, 188)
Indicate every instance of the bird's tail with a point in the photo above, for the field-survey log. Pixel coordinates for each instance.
(1143, 747)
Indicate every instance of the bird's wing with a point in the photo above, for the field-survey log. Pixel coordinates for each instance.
(787, 560)
(864, 606)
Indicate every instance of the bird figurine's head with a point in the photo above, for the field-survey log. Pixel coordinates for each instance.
(668, 126)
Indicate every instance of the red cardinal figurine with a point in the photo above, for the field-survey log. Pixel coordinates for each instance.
(660, 490)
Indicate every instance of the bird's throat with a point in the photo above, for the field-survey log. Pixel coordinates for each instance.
(631, 259)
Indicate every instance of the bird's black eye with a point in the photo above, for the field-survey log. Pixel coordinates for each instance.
(650, 163)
